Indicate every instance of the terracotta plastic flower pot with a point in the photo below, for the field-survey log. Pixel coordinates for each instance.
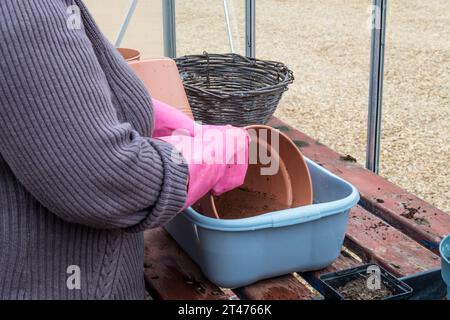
(129, 54)
(163, 82)
(288, 186)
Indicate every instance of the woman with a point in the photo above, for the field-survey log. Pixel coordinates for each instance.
(81, 176)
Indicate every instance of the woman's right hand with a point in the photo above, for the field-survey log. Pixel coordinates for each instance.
(168, 119)
(217, 157)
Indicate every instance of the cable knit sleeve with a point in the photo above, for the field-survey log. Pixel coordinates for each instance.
(60, 133)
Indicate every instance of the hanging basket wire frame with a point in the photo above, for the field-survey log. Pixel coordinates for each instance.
(233, 89)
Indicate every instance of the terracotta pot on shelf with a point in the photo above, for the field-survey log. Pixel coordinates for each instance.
(289, 187)
(163, 82)
(129, 54)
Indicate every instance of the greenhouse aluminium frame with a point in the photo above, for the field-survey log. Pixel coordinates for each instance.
(379, 14)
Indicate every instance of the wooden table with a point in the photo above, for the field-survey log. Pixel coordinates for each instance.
(389, 226)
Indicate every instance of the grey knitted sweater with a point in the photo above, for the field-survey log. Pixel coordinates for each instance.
(80, 179)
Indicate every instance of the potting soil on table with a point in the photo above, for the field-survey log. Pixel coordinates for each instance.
(358, 289)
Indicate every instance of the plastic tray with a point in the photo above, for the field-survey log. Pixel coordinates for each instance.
(234, 253)
(444, 249)
(332, 281)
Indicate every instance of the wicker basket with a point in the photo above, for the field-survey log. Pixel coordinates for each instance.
(232, 89)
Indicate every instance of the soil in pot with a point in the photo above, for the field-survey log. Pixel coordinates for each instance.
(357, 289)
(244, 203)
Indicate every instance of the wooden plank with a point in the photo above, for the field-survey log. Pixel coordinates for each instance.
(403, 210)
(171, 274)
(376, 240)
(280, 288)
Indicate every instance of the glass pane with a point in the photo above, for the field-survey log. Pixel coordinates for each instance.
(327, 45)
(201, 26)
(416, 116)
(145, 30)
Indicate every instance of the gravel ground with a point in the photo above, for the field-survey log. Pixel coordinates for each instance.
(327, 45)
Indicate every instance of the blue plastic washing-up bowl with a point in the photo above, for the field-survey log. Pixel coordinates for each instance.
(444, 249)
(234, 253)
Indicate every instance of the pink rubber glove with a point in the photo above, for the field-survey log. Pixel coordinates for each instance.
(168, 119)
(217, 158)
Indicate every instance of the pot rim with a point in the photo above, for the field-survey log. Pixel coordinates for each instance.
(135, 55)
(308, 182)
